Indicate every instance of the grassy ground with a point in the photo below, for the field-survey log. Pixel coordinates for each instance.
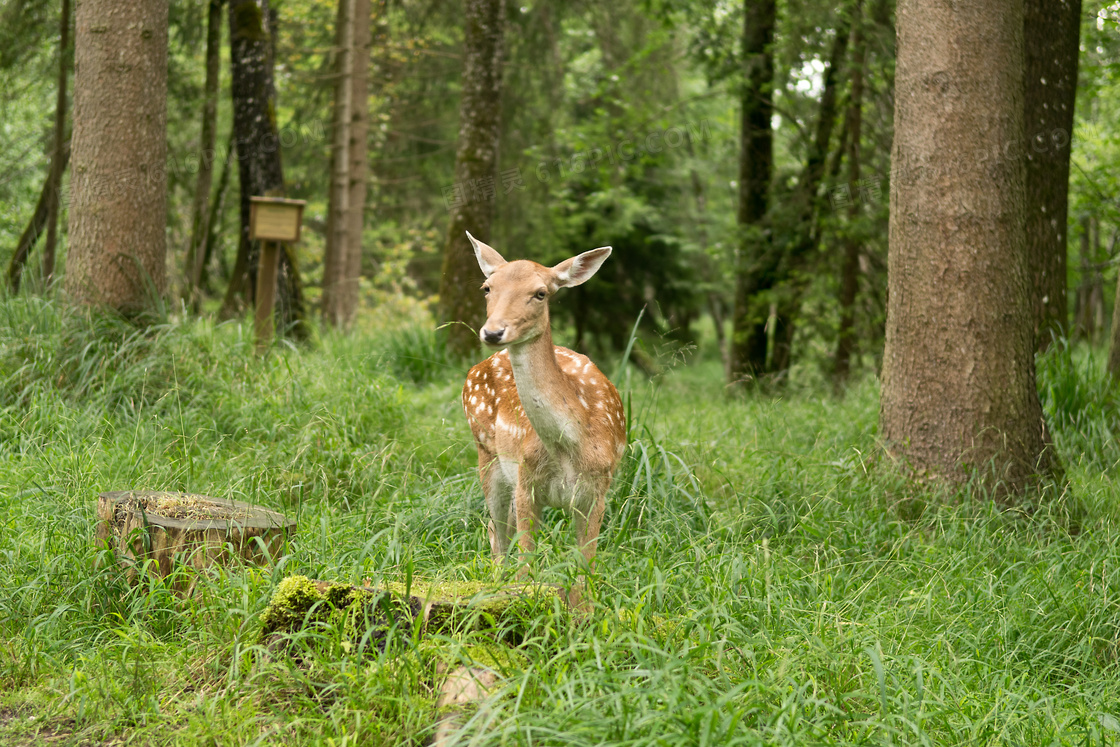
(764, 576)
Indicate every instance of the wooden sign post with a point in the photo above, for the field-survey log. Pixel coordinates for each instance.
(271, 220)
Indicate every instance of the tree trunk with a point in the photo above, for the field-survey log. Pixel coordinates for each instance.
(1082, 316)
(35, 226)
(338, 216)
(118, 211)
(747, 350)
(1096, 287)
(58, 161)
(1051, 38)
(359, 150)
(476, 166)
(1114, 341)
(259, 167)
(849, 271)
(214, 223)
(958, 391)
(197, 250)
(771, 263)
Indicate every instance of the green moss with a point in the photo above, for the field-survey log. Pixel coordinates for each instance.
(290, 605)
(456, 607)
(350, 610)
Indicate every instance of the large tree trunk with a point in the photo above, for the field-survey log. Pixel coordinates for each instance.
(359, 151)
(338, 213)
(34, 229)
(958, 392)
(1051, 38)
(197, 250)
(849, 270)
(118, 210)
(747, 350)
(259, 168)
(476, 167)
(58, 161)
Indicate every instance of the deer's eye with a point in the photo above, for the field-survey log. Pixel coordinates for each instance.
(486, 290)
(541, 295)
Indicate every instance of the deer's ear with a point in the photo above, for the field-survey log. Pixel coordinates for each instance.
(488, 259)
(579, 269)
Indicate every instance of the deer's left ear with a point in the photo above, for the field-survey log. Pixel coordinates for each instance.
(579, 269)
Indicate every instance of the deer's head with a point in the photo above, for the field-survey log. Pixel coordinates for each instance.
(517, 292)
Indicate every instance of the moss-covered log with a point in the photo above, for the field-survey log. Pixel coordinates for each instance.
(447, 608)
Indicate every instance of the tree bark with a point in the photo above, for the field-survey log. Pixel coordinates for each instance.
(58, 160)
(747, 349)
(958, 381)
(338, 218)
(118, 211)
(35, 226)
(476, 166)
(359, 151)
(197, 250)
(849, 271)
(1051, 39)
(259, 167)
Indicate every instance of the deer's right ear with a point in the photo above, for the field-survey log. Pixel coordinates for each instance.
(488, 259)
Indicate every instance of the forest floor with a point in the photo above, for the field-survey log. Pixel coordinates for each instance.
(764, 577)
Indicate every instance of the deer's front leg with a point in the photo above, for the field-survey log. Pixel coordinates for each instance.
(587, 528)
(499, 502)
(528, 517)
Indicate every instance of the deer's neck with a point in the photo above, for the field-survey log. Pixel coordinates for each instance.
(546, 393)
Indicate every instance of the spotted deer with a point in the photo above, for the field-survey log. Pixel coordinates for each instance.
(549, 426)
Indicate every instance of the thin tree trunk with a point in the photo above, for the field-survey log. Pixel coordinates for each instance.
(476, 172)
(214, 223)
(359, 169)
(849, 271)
(774, 264)
(252, 29)
(1114, 341)
(1096, 287)
(197, 250)
(118, 216)
(58, 161)
(338, 216)
(1051, 38)
(958, 395)
(1082, 312)
(34, 229)
(747, 356)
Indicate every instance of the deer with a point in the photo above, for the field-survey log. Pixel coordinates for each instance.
(549, 426)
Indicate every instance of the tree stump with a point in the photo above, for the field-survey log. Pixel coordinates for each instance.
(182, 530)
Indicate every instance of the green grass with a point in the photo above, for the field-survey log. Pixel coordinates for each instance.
(764, 577)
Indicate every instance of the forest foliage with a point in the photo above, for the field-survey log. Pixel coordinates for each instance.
(620, 127)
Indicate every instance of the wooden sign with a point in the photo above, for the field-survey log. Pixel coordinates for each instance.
(275, 218)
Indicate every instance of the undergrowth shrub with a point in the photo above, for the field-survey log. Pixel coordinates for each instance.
(1081, 404)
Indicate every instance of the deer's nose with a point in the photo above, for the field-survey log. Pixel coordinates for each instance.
(493, 337)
